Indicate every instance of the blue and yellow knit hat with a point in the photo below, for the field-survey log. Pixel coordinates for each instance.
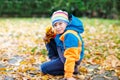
(59, 16)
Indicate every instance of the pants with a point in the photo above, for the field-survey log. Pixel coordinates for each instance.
(55, 67)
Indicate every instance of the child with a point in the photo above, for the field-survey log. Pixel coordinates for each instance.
(64, 44)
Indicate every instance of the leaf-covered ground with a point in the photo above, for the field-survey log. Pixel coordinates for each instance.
(22, 49)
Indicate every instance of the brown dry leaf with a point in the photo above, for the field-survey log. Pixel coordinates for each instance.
(25, 68)
(80, 77)
(83, 70)
(97, 60)
(50, 33)
(117, 70)
(30, 60)
(111, 61)
(108, 68)
(98, 53)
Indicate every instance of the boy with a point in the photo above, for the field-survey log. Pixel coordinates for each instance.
(65, 46)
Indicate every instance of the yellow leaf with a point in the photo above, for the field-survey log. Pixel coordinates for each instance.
(32, 60)
(83, 69)
(23, 62)
(32, 68)
(108, 68)
(88, 55)
(3, 72)
(48, 28)
(2, 69)
(9, 68)
(45, 77)
(42, 58)
(19, 69)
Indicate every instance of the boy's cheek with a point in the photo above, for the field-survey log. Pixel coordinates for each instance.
(56, 32)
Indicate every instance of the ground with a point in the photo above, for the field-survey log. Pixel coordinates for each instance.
(22, 49)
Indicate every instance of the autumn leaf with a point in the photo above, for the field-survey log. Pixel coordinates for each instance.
(83, 70)
(2, 69)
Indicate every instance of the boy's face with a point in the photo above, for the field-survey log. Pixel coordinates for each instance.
(59, 27)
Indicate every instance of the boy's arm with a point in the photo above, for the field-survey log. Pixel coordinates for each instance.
(50, 42)
(52, 49)
(72, 53)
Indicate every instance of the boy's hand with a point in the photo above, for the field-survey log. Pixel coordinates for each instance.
(68, 78)
(49, 34)
(71, 78)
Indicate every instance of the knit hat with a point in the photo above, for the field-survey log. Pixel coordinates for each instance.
(59, 16)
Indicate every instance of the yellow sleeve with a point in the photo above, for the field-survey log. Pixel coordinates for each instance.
(72, 55)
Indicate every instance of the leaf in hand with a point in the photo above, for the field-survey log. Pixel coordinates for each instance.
(50, 33)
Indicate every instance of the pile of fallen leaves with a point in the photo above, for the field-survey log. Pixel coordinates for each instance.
(22, 49)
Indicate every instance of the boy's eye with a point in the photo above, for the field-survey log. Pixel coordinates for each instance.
(54, 25)
(60, 23)
(57, 24)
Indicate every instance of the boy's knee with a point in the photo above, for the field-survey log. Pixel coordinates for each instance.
(43, 68)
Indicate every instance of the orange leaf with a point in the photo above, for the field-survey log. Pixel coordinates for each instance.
(2, 69)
